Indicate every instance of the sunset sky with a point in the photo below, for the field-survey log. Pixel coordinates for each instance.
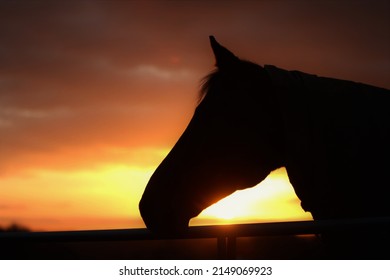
(94, 94)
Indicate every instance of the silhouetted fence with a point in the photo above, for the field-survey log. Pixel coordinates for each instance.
(224, 234)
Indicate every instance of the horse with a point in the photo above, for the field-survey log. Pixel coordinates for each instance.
(331, 135)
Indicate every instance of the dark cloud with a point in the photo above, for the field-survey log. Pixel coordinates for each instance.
(82, 75)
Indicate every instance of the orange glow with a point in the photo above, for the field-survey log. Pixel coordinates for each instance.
(91, 199)
(108, 198)
(271, 200)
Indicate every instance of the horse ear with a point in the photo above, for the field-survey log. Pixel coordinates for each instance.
(223, 57)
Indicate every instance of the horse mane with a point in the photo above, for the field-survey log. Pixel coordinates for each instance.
(243, 67)
(206, 82)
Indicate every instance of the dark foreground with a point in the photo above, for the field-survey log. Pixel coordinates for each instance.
(290, 247)
(304, 247)
(331, 239)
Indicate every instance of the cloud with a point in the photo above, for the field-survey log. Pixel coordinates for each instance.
(15, 113)
(154, 72)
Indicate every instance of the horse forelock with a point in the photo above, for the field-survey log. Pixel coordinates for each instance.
(210, 79)
(206, 83)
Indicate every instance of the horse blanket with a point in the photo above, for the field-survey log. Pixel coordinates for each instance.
(337, 136)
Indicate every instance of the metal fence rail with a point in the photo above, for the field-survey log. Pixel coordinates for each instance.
(225, 234)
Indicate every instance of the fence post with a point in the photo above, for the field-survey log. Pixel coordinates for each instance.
(222, 247)
(226, 246)
(231, 247)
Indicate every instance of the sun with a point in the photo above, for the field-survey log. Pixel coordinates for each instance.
(231, 207)
(273, 199)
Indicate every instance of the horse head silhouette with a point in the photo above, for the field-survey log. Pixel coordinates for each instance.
(331, 135)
